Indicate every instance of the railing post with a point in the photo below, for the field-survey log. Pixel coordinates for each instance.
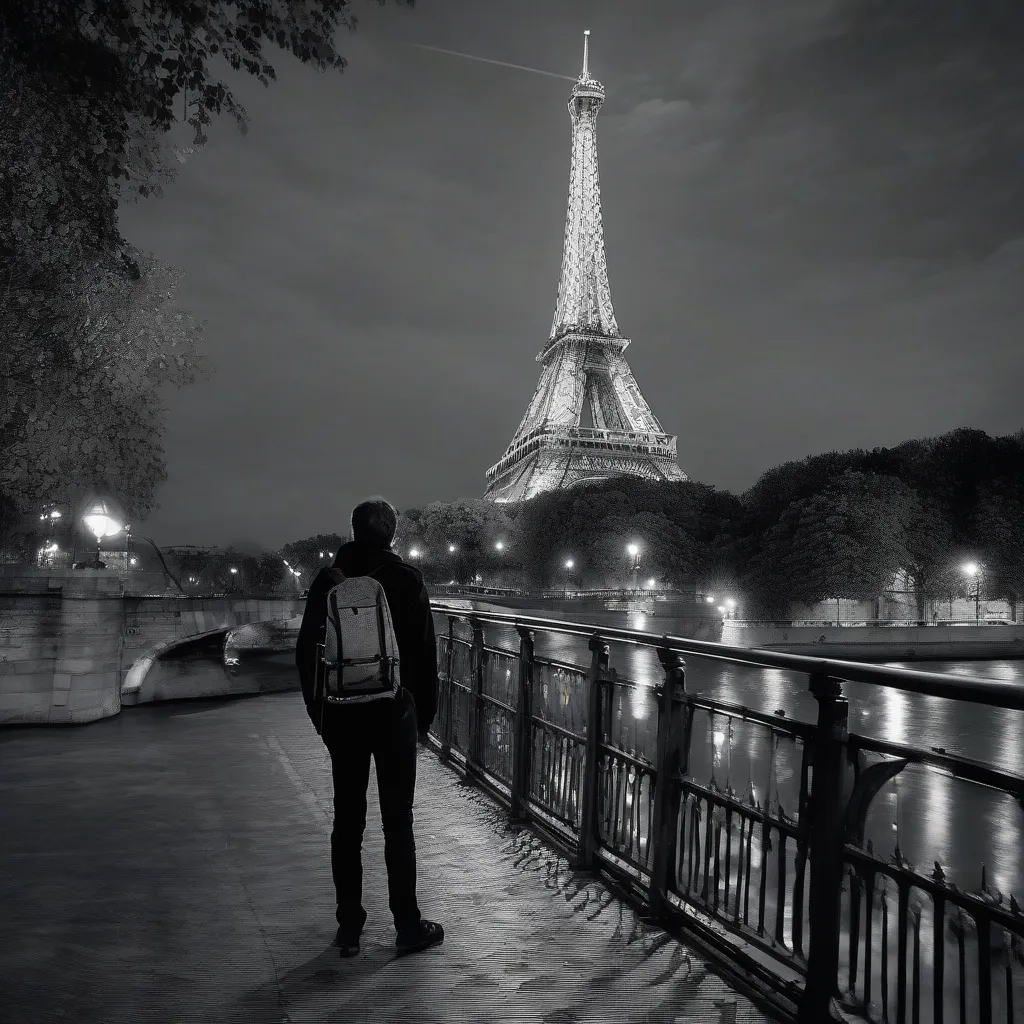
(826, 844)
(476, 752)
(446, 724)
(663, 826)
(587, 845)
(523, 740)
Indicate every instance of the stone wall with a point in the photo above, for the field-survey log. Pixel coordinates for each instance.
(900, 607)
(67, 648)
(882, 643)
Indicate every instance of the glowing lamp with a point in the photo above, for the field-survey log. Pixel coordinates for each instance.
(100, 522)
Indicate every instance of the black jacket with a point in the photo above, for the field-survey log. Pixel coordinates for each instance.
(410, 615)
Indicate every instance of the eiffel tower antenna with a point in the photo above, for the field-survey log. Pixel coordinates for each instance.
(584, 369)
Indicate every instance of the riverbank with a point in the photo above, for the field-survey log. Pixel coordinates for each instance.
(883, 643)
(854, 643)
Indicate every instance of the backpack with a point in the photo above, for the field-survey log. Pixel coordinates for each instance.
(357, 662)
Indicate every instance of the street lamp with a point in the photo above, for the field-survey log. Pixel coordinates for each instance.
(972, 569)
(414, 552)
(99, 521)
(452, 549)
(233, 571)
(730, 604)
(634, 551)
(568, 565)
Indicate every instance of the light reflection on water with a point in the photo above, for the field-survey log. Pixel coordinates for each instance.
(937, 818)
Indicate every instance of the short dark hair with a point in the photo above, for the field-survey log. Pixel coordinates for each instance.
(374, 522)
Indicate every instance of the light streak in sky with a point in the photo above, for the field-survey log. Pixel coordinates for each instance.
(488, 60)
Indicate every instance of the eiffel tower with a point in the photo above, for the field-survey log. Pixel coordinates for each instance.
(583, 359)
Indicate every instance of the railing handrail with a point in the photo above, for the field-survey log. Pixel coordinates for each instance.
(932, 684)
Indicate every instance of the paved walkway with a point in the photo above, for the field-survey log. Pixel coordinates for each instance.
(172, 864)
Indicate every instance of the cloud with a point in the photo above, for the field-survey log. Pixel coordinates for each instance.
(657, 114)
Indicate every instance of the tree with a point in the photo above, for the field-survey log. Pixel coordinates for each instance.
(93, 85)
(78, 391)
(407, 531)
(311, 554)
(474, 527)
(999, 519)
(91, 88)
(929, 551)
(848, 541)
(270, 574)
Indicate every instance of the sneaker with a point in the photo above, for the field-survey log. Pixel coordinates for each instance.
(426, 933)
(347, 943)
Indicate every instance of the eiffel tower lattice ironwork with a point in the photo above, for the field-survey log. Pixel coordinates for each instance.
(584, 365)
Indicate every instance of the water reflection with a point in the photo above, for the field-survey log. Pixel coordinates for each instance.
(938, 813)
(894, 722)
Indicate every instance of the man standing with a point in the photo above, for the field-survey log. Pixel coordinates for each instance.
(386, 728)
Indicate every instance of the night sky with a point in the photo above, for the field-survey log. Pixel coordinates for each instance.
(813, 216)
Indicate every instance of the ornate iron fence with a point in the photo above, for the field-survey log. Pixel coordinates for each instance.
(640, 781)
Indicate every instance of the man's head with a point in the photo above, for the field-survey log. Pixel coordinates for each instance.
(374, 523)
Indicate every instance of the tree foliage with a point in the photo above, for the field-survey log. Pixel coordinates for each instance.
(848, 540)
(79, 382)
(999, 519)
(94, 85)
(311, 554)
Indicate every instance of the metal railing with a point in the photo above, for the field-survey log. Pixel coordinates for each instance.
(992, 620)
(562, 593)
(826, 916)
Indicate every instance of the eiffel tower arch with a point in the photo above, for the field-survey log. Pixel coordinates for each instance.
(584, 370)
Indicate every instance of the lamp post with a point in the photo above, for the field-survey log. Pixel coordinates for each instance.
(634, 551)
(99, 521)
(234, 571)
(973, 570)
(568, 565)
(731, 605)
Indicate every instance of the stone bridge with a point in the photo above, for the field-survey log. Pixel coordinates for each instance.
(73, 650)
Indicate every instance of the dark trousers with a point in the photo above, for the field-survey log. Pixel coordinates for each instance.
(387, 730)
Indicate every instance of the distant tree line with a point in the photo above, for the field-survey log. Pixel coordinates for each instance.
(837, 525)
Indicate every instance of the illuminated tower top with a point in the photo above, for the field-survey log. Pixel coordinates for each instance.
(584, 297)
